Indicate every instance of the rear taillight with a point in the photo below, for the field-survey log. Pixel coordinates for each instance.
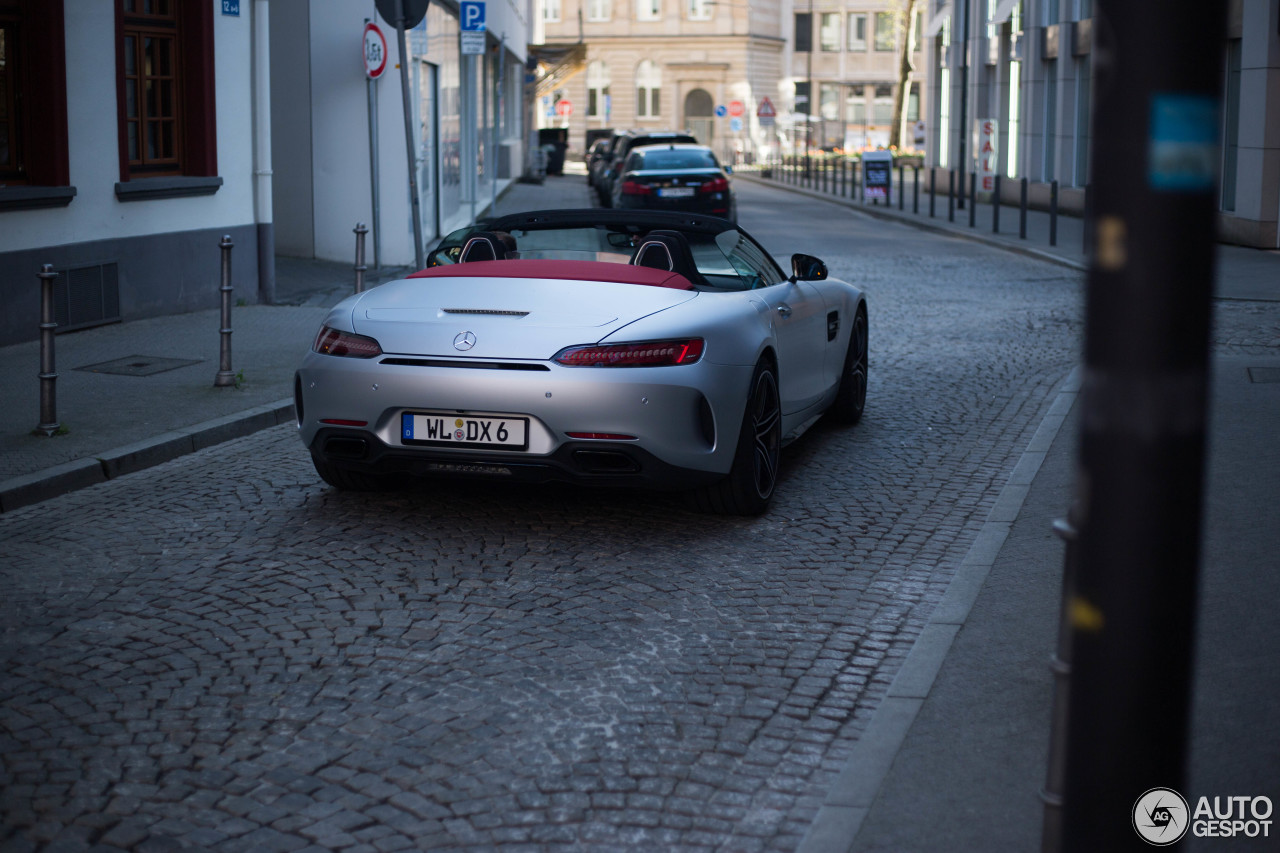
(636, 188)
(347, 344)
(647, 354)
(716, 185)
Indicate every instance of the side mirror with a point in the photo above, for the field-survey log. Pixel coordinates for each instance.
(728, 170)
(807, 268)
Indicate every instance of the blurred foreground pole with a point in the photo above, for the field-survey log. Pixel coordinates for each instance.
(1142, 442)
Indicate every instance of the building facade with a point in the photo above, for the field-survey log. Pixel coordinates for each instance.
(1028, 75)
(736, 74)
(126, 181)
(339, 137)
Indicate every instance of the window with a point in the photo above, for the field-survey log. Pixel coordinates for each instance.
(551, 11)
(829, 31)
(599, 10)
(829, 101)
(648, 90)
(598, 105)
(699, 10)
(1015, 117)
(165, 90)
(648, 10)
(1231, 125)
(857, 31)
(855, 105)
(151, 57)
(33, 104)
(885, 35)
(12, 161)
(882, 108)
(804, 32)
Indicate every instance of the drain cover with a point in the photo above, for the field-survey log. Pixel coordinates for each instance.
(139, 365)
(1264, 374)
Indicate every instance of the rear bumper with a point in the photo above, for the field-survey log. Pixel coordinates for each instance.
(594, 463)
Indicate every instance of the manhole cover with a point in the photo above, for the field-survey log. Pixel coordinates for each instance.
(1264, 374)
(139, 365)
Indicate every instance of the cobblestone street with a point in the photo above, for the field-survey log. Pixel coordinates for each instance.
(222, 653)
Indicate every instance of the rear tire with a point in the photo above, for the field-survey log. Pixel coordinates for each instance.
(851, 397)
(346, 480)
(749, 486)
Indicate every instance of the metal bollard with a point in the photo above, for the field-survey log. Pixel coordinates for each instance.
(49, 425)
(1060, 665)
(951, 195)
(933, 190)
(1053, 213)
(360, 231)
(1087, 221)
(915, 190)
(902, 195)
(225, 378)
(995, 207)
(973, 198)
(1022, 216)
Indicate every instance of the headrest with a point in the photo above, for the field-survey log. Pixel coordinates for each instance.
(487, 246)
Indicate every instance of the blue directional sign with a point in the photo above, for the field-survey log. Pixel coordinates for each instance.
(472, 15)
(721, 111)
(231, 7)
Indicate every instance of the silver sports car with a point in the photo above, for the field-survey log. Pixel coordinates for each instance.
(656, 350)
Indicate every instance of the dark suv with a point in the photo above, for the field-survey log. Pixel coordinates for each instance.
(622, 145)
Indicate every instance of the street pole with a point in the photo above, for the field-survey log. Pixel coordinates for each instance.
(371, 97)
(1143, 424)
(964, 98)
(414, 202)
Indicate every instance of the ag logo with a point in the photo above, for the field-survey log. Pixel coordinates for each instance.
(1161, 817)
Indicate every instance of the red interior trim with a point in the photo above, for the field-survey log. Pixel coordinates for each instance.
(569, 270)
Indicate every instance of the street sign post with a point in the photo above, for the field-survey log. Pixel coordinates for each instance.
(375, 63)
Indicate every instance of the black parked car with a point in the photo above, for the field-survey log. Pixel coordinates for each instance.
(622, 145)
(680, 177)
(597, 155)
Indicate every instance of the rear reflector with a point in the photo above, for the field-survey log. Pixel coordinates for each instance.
(602, 436)
(341, 422)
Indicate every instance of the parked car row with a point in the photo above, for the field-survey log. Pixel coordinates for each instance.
(659, 170)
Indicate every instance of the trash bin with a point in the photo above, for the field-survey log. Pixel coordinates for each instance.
(555, 141)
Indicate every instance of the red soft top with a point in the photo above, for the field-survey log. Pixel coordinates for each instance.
(561, 269)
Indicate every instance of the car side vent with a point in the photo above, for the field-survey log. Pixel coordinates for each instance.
(490, 312)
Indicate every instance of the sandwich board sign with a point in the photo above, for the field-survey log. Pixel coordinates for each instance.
(877, 175)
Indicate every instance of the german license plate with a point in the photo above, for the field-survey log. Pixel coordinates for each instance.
(454, 430)
(676, 192)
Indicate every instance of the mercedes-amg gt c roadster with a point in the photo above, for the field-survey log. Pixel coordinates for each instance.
(599, 347)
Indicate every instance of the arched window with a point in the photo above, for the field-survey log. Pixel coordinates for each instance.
(598, 105)
(648, 90)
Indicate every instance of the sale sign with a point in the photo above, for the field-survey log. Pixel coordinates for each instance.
(988, 161)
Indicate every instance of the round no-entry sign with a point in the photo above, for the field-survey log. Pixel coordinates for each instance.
(735, 108)
(564, 107)
(375, 51)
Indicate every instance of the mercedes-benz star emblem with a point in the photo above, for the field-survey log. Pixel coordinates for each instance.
(464, 341)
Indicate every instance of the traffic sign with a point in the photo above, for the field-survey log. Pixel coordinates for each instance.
(375, 51)
(736, 108)
(413, 10)
(721, 112)
(766, 110)
(471, 14)
(564, 107)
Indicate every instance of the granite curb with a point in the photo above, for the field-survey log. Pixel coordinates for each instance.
(851, 796)
(58, 480)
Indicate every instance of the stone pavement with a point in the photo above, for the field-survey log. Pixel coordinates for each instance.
(954, 757)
